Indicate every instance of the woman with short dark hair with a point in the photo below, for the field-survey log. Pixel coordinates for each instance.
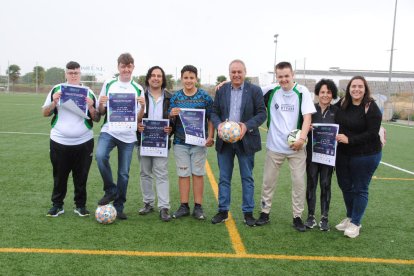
(326, 90)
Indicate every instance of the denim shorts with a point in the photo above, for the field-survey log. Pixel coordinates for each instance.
(190, 160)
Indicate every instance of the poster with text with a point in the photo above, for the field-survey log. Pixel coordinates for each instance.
(122, 111)
(154, 140)
(73, 98)
(324, 143)
(194, 126)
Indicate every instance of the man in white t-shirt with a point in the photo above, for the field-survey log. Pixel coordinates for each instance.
(289, 106)
(71, 144)
(124, 140)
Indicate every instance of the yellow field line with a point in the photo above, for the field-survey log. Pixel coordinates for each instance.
(230, 224)
(393, 178)
(207, 255)
(262, 128)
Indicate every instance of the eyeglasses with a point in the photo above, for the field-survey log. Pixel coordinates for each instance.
(73, 73)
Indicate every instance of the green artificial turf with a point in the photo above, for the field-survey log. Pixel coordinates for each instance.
(26, 186)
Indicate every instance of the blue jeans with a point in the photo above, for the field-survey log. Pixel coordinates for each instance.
(226, 163)
(106, 144)
(354, 174)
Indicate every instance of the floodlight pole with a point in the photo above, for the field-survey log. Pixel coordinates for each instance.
(304, 69)
(37, 81)
(8, 76)
(392, 51)
(274, 64)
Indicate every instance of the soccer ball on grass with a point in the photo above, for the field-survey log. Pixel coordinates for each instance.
(105, 214)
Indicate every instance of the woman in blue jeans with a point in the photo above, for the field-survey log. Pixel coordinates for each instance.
(359, 151)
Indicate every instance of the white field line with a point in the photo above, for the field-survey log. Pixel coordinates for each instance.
(23, 133)
(385, 124)
(34, 133)
(21, 104)
(397, 168)
(30, 133)
(386, 164)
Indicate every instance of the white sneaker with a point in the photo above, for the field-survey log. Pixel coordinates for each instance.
(352, 230)
(343, 224)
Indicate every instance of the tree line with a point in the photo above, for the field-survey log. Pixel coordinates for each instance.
(55, 75)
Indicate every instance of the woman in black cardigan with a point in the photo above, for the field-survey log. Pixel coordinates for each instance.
(359, 151)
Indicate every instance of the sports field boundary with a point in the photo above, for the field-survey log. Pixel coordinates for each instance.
(207, 255)
(236, 241)
(235, 238)
(397, 168)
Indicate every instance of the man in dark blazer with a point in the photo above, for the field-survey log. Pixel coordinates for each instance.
(241, 102)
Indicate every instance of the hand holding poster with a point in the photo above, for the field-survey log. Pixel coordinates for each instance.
(194, 126)
(73, 98)
(122, 111)
(324, 143)
(154, 140)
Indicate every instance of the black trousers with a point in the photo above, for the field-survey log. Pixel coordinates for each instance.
(65, 159)
(313, 172)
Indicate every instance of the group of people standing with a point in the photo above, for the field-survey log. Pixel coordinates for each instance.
(286, 106)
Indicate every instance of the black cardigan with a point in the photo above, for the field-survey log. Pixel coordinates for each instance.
(361, 129)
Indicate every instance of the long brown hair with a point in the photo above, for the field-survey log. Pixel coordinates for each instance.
(348, 99)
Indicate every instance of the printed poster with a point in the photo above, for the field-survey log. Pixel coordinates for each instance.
(73, 98)
(324, 143)
(194, 126)
(122, 111)
(154, 140)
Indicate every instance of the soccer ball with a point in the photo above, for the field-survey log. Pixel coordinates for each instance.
(105, 214)
(293, 136)
(230, 132)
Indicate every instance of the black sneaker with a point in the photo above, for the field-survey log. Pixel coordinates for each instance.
(82, 212)
(310, 222)
(146, 209)
(249, 219)
(182, 211)
(121, 215)
(106, 199)
(164, 215)
(55, 211)
(263, 219)
(198, 213)
(323, 224)
(220, 217)
(298, 224)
